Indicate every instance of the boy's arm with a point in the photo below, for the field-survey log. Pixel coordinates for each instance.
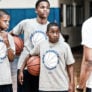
(20, 76)
(70, 70)
(10, 51)
(34, 51)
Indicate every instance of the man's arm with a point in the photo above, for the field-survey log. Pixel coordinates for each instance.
(34, 51)
(20, 76)
(86, 67)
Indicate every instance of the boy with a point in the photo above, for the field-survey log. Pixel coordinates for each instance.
(7, 51)
(56, 65)
(30, 27)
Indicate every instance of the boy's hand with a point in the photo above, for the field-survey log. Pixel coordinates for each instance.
(20, 77)
(71, 88)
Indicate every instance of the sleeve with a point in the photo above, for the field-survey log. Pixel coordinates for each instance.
(18, 29)
(22, 57)
(68, 55)
(35, 50)
(61, 38)
(87, 35)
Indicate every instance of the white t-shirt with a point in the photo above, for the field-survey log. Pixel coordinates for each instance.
(5, 72)
(53, 72)
(87, 41)
(33, 33)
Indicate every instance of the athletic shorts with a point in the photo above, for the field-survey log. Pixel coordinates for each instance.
(30, 83)
(88, 90)
(6, 88)
(53, 91)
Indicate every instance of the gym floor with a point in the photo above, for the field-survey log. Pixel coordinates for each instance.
(77, 52)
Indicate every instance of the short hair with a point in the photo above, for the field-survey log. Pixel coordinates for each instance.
(3, 12)
(39, 1)
(52, 24)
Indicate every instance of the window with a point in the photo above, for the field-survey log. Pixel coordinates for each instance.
(79, 15)
(67, 15)
(72, 15)
(90, 8)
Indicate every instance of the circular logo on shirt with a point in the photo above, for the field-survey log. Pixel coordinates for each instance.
(37, 37)
(50, 59)
(3, 50)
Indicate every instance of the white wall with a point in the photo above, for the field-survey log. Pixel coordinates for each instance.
(24, 3)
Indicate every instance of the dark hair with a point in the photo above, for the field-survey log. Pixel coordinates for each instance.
(39, 1)
(51, 24)
(3, 12)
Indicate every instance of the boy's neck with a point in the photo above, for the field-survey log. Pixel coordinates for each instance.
(53, 42)
(42, 21)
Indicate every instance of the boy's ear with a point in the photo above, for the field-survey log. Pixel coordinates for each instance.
(47, 33)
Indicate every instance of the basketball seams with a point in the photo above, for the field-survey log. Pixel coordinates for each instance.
(34, 70)
(33, 65)
(20, 40)
(32, 59)
(18, 44)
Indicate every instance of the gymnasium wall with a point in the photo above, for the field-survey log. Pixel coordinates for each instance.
(23, 9)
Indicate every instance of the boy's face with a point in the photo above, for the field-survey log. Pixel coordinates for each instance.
(4, 22)
(43, 9)
(53, 34)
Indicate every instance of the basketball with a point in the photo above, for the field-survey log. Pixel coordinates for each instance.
(18, 44)
(33, 65)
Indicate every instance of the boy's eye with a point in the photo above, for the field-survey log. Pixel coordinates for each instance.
(6, 21)
(52, 32)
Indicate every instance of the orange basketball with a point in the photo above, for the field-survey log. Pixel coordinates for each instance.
(18, 44)
(33, 65)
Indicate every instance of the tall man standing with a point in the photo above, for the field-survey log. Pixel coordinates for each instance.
(32, 28)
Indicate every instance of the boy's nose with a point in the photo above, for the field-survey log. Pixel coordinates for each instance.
(55, 34)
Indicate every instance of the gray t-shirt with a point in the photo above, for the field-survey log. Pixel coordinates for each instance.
(54, 58)
(5, 72)
(34, 32)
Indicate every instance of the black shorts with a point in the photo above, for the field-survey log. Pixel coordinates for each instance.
(53, 91)
(88, 90)
(6, 88)
(30, 83)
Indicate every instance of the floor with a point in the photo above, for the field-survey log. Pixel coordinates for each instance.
(77, 52)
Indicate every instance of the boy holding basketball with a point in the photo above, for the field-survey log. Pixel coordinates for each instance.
(7, 51)
(56, 63)
(28, 27)
(33, 29)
